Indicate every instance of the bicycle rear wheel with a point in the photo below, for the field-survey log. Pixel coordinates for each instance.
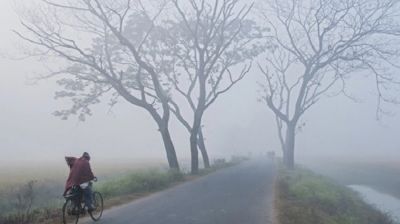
(70, 212)
(98, 206)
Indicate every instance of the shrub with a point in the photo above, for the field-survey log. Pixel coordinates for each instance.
(22, 205)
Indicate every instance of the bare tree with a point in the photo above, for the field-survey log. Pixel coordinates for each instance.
(316, 45)
(106, 49)
(214, 45)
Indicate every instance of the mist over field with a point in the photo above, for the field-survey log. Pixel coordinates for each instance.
(238, 124)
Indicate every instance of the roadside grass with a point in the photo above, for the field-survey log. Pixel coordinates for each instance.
(139, 182)
(306, 198)
(380, 175)
(21, 206)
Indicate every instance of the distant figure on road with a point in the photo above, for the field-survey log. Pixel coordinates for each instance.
(80, 175)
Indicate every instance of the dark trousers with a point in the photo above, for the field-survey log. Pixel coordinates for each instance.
(88, 196)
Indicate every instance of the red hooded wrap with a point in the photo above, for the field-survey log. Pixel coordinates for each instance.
(80, 172)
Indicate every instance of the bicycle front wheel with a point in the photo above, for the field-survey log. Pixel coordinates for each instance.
(70, 212)
(98, 206)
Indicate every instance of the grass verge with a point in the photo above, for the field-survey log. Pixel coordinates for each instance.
(306, 198)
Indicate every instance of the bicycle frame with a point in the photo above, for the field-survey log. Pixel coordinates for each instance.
(77, 199)
(74, 206)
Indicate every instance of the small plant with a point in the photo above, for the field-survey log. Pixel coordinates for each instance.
(22, 204)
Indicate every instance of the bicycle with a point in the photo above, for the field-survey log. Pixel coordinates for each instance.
(74, 206)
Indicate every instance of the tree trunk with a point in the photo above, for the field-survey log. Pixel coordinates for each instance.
(198, 114)
(169, 148)
(288, 154)
(194, 151)
(203, 150)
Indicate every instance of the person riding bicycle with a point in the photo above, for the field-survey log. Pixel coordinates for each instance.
(80, 175)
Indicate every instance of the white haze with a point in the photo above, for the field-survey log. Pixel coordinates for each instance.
(236, 125)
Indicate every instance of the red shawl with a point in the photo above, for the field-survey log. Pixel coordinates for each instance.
(80, 172)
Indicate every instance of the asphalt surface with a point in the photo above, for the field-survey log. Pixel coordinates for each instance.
(241, 194)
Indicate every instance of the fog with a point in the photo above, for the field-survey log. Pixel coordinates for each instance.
(237, 124)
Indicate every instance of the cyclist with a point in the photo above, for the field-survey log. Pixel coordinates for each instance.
(80, 175)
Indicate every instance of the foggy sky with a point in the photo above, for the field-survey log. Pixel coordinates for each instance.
(235, 124)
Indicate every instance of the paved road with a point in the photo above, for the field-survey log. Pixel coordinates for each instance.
(238, 195)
